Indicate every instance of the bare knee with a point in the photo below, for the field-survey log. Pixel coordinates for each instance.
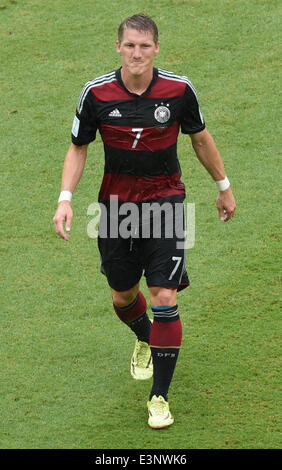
(162, 296)
(124, 298)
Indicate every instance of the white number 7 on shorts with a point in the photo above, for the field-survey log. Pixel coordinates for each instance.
(178, 261)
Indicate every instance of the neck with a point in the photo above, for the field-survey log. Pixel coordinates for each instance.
(136, 84)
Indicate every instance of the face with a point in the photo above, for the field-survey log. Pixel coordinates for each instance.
(137, 50)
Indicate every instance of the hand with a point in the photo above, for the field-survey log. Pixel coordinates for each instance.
(64, 214)
(226, 205)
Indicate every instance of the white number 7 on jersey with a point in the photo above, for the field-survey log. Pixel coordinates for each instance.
(138, 135)
(178, 261)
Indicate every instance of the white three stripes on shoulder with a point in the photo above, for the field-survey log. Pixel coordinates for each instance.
(177, 78)
(167, 75)
(103, 79)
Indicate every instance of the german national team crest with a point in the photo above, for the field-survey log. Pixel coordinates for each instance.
(162, 113)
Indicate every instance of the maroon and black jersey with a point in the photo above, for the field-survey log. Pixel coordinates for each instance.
(139, 133)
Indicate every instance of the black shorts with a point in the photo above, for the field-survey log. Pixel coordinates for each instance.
(153, 244)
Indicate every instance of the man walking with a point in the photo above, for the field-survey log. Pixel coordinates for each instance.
(139, 110)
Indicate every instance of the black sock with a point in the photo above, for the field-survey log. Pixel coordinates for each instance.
(134, 315)
(141, 327)
(165, 342)
(164, 362)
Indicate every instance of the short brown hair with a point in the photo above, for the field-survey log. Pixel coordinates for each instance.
(140, 22)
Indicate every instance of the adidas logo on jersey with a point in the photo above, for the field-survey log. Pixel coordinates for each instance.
(115, 113)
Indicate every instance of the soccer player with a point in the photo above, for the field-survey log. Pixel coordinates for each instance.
(139, 110)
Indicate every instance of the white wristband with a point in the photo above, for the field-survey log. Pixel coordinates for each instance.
(65, 196)
(223, 184)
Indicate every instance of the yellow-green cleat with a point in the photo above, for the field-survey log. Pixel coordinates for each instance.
(159, 414)
(141, 366)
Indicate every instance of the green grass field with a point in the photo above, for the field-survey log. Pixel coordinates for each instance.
(64, 372)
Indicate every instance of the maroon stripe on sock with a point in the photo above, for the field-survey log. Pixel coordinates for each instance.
(166, 334)
(132, 311)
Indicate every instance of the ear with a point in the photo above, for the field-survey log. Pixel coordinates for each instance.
(118, 46)
(157, 48)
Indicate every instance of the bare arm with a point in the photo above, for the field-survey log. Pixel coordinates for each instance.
(73, 167)
(72, 172)
(210, 158)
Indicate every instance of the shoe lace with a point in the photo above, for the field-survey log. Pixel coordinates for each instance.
(159, 408)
